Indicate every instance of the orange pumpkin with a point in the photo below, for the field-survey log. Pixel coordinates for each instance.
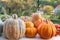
(29, 24)
(31, 32)
(47, 30)
(38, 22)
(35, 17)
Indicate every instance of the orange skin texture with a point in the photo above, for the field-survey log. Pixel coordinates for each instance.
(29, 24)
(38, 22)
(47, 30)
(31, 32)
(35, 17)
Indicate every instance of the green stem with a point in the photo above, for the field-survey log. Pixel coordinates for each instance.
(46, 20)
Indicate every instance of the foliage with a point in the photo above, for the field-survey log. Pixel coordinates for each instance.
(58, 13)
(1, 9)
(21, 7)
(56, 21)
(4, 17)
(54, 16)
(48, 9)
(53, 3)
(46, 16)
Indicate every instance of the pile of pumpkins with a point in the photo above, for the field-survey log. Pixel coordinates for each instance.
(15, 28)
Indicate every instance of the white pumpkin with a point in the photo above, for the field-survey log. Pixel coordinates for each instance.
(14, 28)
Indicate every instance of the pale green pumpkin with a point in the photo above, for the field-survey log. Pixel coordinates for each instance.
(14, 28)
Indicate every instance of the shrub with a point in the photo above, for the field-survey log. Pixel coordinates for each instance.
(48, 9)
(58, 14)
(21, 6)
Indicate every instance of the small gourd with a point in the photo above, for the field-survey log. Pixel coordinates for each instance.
(31, 31)
(29, 24)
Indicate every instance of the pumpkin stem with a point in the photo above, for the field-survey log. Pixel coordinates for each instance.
(46, 20)
(15, 16)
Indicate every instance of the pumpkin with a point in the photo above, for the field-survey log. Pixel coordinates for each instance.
(14, 28)
(29, 24)
(1, 27)
(35, 17)
(25, 18)
(38, 22)
(47, 30)
(31, 32)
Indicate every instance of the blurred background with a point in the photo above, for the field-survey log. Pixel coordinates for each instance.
(49, 9)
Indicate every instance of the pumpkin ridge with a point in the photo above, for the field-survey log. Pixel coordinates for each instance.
(53, 32)
(31, 32)
(50, 31)
(45, 34)
(42, 28)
